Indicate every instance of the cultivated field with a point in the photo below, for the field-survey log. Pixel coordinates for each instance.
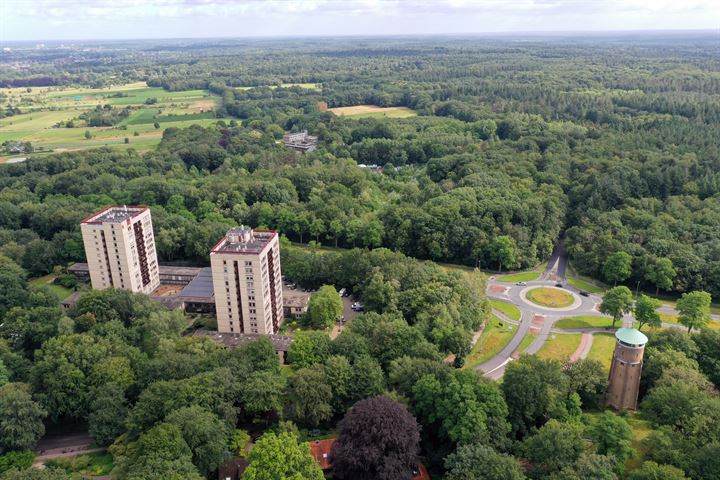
(46, 111)
(364, 111)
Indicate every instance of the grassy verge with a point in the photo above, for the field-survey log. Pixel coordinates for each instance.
(519, 277)
(675, 320)
(560, 347)
(602, 349)
(96, 464)
(529, 338)
(584, 321)
(510, 310)
(550, 297)
(493, 339)
(58, 290)
(584, 283)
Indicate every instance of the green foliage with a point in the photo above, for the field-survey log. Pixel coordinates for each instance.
(478, 461)
(281, 457)
(20, 460)
(108, 412)
(694, 308)
(662, 273)
(324, 307)
(535, 391)
(36, 474)
(588, 378)
(308, 348)
(617, 267)
(653, 471)
(645, 312)
(611, 435)
(205, 434)
(21, 418)
(309, 397)
(617, 302)
(555, 445)
(238, 442)
(503, 250)
(159, 453)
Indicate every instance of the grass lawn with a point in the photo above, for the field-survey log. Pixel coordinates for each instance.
(674, 319)
(560, 346)
(493, 339)
(602, 349)
(58, 290)
(373, 111)
(585, 283)
(519, 277)
(526, 341)
(584, 321)
(510, 310)
(550, 297)
(96, 464)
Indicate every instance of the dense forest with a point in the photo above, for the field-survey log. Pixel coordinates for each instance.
(606, 143)
(610, 145)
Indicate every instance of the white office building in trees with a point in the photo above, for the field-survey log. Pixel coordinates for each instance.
(120, 249)
(247, 282)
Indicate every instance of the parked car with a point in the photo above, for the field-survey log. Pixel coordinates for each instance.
(357, 307)
(342, 292)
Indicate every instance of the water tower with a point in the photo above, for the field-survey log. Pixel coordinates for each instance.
(625, 370)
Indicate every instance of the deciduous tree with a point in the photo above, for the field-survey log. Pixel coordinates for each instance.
(281, 457)
(646, 313)
(378, 440)
(617, 302)
(694, 309)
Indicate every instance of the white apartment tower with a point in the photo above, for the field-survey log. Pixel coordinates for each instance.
(120, 249)
(247, 281)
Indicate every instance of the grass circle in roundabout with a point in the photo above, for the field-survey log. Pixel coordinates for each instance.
(550, 297)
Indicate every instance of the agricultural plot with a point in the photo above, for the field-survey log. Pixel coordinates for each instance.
(49, 109)
(373, 111)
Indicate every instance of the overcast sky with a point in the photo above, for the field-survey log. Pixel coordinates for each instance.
(106, 19)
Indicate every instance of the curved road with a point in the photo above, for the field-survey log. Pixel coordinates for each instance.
(540, 320)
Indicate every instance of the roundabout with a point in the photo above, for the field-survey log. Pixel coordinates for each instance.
(551, 298)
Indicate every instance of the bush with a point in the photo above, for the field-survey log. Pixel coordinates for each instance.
(18, 460)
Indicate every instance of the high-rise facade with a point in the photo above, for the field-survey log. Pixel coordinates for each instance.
(120, 249)
(247, 281)
(625, 370)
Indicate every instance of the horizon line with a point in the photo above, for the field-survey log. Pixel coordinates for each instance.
(539, 33)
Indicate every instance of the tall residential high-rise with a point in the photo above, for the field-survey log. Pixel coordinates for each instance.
(247, 281)
(626, 368)
(120, 249)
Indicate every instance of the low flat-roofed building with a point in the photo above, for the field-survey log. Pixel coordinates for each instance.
(281, 343)
(169, 274)
(295, 304)
(300, 141)
(198, 296)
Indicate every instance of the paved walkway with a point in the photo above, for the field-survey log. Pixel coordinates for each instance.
(583, 349)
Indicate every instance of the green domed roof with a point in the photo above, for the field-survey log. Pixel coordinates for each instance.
(631, 336)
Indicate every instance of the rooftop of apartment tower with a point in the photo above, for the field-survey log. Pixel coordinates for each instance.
(114, 214)
(244, 240)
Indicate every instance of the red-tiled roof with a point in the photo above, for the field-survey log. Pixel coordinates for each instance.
(320, 450)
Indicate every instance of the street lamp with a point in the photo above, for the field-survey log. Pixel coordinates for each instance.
(637, 289)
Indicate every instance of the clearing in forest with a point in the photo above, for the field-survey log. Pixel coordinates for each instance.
(365, 111)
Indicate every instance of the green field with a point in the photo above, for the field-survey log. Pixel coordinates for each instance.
(584, 283)
(602, 349)
(584, 321)
(510, 310)
(494, 337)
(47, 107)
(373, 111)
(560, 346)
(519, 277)
(675, 320)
